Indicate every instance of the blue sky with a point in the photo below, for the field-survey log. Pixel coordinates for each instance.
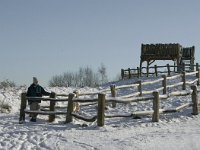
(48, 37)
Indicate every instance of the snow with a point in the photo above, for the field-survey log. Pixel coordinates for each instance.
(180, 131)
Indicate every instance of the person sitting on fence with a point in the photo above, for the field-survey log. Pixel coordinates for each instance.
(35, 90)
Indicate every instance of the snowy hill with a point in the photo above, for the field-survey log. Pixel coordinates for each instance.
(179, 130)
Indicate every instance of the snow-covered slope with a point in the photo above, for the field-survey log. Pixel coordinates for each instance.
(174, 131)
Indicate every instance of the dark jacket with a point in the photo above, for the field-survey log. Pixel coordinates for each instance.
(36, 91)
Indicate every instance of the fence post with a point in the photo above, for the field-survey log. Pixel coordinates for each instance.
(138, 72)
(22, 107)
(195, 108)
(164, 84)
(168, 70)
(183, 66)
(52, 107)
(101, 110)
(174, 67)
(198, 76)
(140, 87)
(70, 107)
(197, 66)
(184, 81)
(129, 73)
(113, 93)
(122, 73)
(156, 70)
(147, 69)
(156, 106)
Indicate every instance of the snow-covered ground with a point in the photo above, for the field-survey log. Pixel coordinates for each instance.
(176, 131)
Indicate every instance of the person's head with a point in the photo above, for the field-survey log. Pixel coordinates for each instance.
(35, 80)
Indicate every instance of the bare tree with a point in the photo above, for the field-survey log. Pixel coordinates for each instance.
(103, 73)
(84, 77)
(68, 79)
(57, 81)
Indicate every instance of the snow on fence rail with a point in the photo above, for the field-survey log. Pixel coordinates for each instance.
(73, 98)
(52, 112)
(87, 93)
(139, 85)
(102, 100)
(156, 104)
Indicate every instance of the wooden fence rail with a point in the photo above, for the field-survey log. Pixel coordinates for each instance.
(101, 106)
(156, 98)
(102, 100)
(52, 112)
(165, 86)
(129, 73)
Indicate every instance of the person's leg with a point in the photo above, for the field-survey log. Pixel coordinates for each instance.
(34, 106)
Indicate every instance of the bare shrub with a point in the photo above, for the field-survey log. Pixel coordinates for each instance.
(83, 77)
(7, 83)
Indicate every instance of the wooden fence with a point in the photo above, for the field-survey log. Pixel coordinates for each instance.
(155, 70)
(156, 96)
(102, 99)
(71, 98)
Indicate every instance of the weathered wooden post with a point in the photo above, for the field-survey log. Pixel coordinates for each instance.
(195, 108)
(198, 76)
(52, 107)
(113, 93)
(174, 66)
(156, 106)
(70, 107)
(101, 110)
(164, 84)
(183, 67)
(197, 66)
(156, 70)
(22, 107)
(147, 68)
(140, 87)
(178, 64)
(122, 73)
(129, 73)
(138, 72)
(184, 80)
(168, 70)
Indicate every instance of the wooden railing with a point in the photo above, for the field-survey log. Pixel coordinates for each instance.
(164, 82)
(69, 113)
(102, 99)
(155, 70)
(155, 112)
(51, 109)
(156, 104)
